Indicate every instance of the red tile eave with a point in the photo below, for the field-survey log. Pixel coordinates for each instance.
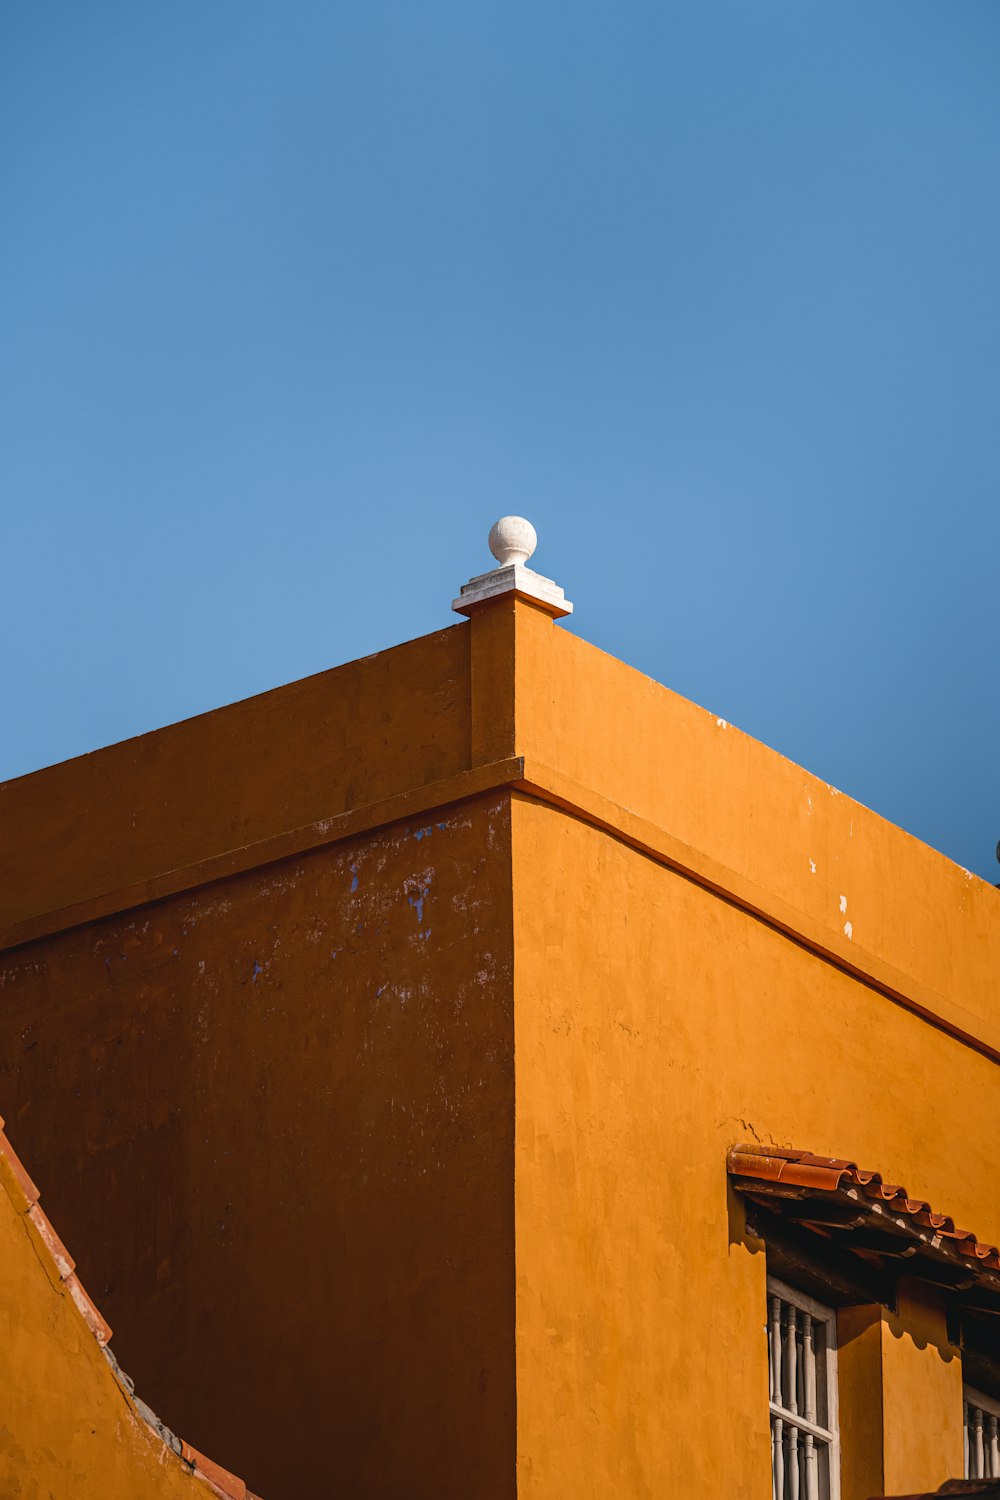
(832, 1174)
(24, 1196)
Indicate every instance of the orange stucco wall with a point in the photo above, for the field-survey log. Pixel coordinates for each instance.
(861, 1389)
(314, 749)
(922, 1393)
(658, 1020)
(274, 1118)
(609, 728)
(409, 1132)
(654, 1026)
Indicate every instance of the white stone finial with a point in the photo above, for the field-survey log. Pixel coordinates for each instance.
(512, 540)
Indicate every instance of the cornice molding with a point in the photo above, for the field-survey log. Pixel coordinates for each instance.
(529, 778)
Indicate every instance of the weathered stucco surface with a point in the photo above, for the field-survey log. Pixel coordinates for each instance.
(610, 729)
(277, 1114)
(274, 1119)
(330, 743)
(654, 1026)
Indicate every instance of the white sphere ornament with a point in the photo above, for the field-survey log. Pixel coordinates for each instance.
(512, 540)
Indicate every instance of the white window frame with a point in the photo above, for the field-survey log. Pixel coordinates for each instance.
(829, 1436)
(990, 1407)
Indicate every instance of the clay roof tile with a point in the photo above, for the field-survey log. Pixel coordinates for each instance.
(24, 1195)
(793, 1168)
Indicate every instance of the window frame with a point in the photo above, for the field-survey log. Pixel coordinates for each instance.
(990, 1406)
(828, 1436)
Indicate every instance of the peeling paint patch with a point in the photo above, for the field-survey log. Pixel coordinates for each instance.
(843, 904)
(417, 889)
(722, 723)
(848, 930)
(812, 867)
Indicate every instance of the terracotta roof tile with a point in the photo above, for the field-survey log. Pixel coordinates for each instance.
(219, 1478)
(789, 1168)
(98, 1327)
(62, 1260)
(28, 1190)
(24, 1196)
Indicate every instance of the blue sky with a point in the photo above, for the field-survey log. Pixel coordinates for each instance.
(296, 298)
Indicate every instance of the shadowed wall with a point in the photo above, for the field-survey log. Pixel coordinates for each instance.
(274, 1118)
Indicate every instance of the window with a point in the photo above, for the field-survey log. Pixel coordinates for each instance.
(802, 1362)
(982, 1448)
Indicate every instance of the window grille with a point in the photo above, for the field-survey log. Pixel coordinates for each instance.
(982, 1444)
(802, 1364)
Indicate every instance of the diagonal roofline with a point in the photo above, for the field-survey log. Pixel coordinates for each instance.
(24, 1198)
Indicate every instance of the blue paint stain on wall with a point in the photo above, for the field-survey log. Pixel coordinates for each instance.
(417, 888)
(354, 882)
(257, 969)
(424, 833)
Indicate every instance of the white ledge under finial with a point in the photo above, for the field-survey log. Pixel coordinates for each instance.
(512, 542)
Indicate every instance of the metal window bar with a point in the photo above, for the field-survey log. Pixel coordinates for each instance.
(802, 1371)
(981, 1437)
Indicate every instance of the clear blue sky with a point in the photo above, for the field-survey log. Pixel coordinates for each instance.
(296, 298)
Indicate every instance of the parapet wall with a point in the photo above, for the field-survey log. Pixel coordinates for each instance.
(121, 818)
(761, 826)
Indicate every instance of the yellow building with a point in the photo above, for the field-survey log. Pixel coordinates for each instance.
(477, 1071)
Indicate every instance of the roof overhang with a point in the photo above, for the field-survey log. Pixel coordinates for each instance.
(869, 1219)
